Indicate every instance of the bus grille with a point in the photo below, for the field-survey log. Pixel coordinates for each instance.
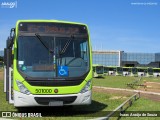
(46, 100)
(54, 82)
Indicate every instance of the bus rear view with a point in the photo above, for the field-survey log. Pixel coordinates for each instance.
(52, 64)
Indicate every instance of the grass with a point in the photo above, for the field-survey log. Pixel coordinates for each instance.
(113, 81)
(121, 81)
(1, 68)
(142, 106)
(100, 105)
(139, 105)
(151, 79)
(1, 74)
(102, 102)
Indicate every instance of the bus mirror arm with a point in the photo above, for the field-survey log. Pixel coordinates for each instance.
(11, 38)
(9, 43)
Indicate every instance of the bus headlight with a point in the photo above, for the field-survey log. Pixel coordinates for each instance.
(22, 88)
(86, 87)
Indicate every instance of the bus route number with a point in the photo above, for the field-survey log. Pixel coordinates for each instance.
(43, 90)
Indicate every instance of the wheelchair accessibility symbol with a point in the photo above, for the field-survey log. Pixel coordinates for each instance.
(62, 71)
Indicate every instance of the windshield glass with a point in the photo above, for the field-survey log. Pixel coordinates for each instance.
(105, 69)
(50, 56)
(112, 69)
(150, 71)
(99, 69)
(156, 70)
(119, 70)
(141, 70)
(127, 69)
(134, 70)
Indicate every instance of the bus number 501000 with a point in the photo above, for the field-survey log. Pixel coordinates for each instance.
(43, 90)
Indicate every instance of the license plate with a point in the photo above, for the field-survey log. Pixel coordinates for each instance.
(56, 103)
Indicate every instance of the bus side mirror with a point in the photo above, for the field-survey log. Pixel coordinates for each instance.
(8, 42)
(11, 38)
(5, 55)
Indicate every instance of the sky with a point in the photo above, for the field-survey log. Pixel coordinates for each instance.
(127, 25)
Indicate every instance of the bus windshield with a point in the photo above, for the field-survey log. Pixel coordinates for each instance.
(105, 69)
(99, 69)
(134, 70)
(150, 71)
(119, 69)
(52, 56)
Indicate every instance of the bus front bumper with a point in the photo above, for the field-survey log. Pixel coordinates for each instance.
(23, 100)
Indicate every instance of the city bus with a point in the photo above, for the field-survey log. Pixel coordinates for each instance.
(115, 71)
(51, 64)
(112, 70)
(98, 70)
(156, 72)
(127, 71)
(142, 71)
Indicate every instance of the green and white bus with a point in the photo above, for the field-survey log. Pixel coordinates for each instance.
(98, 70)
(127, 71)
(112, 70)
(156, 72)
(51, 64)
(115, 71)
(142, 71)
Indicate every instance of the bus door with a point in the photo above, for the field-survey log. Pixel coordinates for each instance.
(8, 87)
(4, 70)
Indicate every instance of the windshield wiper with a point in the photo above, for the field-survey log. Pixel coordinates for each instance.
(66, 45)
(40, 39)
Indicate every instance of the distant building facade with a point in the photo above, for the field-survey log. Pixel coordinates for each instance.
(107, 58)
(121, 58)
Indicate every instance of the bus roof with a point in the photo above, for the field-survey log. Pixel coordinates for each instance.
(57, 21)
(156, 68)
(127, 67)
(96, 65)
(112, 66)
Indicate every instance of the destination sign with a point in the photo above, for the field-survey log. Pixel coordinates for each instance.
(55, 28)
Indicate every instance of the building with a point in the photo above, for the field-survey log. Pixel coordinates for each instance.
(121, 58)
(107, 58)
